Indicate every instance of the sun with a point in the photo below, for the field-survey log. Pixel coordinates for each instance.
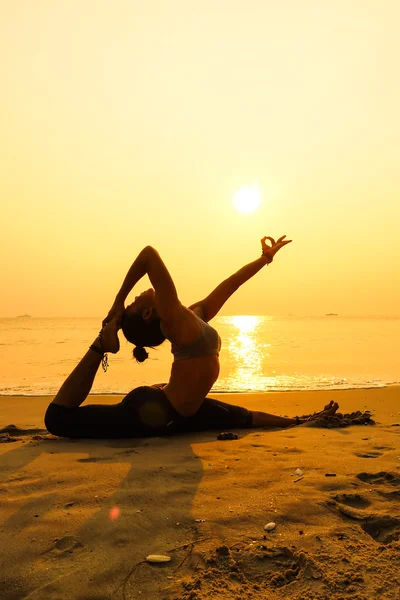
(247, 199)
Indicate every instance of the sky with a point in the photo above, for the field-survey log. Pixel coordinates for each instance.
(126, 123)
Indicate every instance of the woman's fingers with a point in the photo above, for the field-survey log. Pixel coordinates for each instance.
(280, 242)
(107, 319)
(270, 239)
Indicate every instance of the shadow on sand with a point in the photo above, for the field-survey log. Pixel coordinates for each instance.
(77, 515)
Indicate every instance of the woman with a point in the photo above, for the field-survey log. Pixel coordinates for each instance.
(180, 405)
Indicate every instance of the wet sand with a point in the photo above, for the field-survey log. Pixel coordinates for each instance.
(77, 517)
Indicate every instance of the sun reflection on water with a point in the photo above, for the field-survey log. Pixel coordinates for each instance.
(248, 354)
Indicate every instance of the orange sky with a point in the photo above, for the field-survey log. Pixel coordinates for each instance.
(129, 123)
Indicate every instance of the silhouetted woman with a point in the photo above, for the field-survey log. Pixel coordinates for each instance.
(181, 405)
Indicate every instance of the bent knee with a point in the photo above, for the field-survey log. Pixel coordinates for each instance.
(56, 420)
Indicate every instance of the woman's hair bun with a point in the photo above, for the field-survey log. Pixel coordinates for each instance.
(140, 353)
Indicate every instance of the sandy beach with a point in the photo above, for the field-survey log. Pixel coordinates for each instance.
(79, 517)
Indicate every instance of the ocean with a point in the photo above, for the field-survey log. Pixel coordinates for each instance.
(259, 353)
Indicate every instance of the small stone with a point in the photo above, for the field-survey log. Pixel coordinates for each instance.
(199, 521)
(269, 526)
(227, 435)
(298, 472)
(158, 558)
(316, 574)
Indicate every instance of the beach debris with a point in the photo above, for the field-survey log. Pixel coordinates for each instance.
(339, 419)
(227, 435)
(6, 438)
(298, 479)
(269, 526)
(158, 558)
(199, 520)
(298, 472)
(330, 474)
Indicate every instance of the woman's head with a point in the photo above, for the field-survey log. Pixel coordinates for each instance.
(141, 325)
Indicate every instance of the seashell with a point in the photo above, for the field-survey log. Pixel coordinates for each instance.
(269, 526)
(157, 558)
(298, 472)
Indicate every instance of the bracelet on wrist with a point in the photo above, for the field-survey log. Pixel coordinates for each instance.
(101, 352)
(104, 356)
(265, 255)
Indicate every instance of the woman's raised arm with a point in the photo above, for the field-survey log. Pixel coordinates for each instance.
(166, 299)
(210, 306)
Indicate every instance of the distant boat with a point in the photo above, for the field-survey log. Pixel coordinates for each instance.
(23, 316)
(331, 315)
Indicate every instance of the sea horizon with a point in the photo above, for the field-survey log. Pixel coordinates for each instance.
(245, 314)
(260, 353)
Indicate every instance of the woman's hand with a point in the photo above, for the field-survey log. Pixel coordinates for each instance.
(269, 251)
(116, 312)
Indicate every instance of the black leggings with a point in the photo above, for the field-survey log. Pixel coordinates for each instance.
(144, 412)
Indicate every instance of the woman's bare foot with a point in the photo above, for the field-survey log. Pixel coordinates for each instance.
(108, 337)
(329, 410)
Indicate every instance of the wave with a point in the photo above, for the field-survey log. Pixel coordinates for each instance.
(337, 385)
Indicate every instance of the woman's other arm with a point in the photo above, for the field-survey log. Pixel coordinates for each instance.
(210, 306)
(148, 262)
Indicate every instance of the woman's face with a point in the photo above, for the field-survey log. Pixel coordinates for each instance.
(144, 303)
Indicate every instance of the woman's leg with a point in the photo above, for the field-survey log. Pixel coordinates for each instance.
(263, 419)
(77, 386)
(144, 412)
(214, 414)
(65, 417)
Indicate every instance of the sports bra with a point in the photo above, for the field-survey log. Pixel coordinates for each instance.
(207, 344)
